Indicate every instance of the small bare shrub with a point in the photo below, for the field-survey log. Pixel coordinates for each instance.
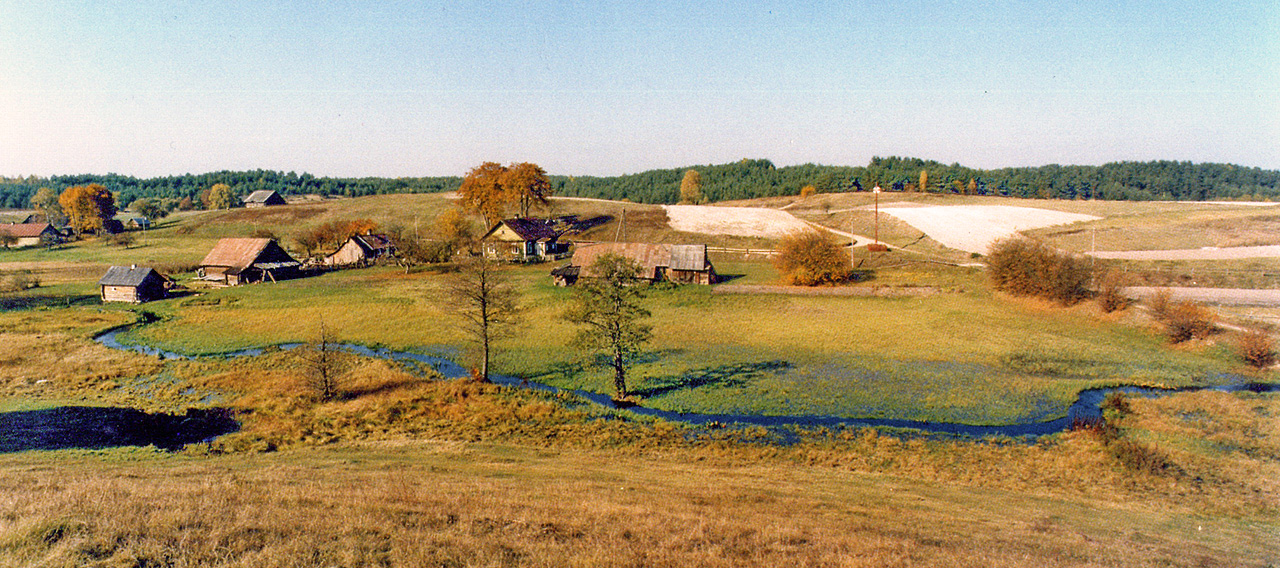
(1257, 348)
(1026, 267)
(1160, 304)
(1188, 320)
(1111, 296)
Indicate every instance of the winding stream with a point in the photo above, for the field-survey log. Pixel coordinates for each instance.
(1087, 407)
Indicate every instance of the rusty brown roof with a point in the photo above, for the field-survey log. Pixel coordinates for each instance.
(235, 252)
(649, 256)
(24, 230)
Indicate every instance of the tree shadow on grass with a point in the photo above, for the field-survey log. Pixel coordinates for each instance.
(731, 375)
(89, 427)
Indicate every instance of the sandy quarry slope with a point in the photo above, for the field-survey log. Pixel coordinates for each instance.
(972, 228)
(734, 221)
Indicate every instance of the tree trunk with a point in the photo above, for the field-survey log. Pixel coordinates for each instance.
(620, 376)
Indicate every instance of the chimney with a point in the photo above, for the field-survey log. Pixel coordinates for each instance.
(133, 267)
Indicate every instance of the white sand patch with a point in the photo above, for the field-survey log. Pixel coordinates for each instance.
(734, 221)
(972, 228)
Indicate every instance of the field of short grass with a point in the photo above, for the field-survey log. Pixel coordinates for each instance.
(959, 356)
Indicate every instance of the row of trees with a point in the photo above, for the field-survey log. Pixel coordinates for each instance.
(15, 193)
(745, 179)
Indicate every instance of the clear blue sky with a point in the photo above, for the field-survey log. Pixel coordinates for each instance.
(597, 87)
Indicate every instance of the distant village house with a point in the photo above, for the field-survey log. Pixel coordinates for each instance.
(361, 250)
(30, 234)
(525, 240)
(235, 261)
(134, 284)
(138, 223)
(686, 264)
(263, 198)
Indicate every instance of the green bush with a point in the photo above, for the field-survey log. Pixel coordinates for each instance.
(1025, 267)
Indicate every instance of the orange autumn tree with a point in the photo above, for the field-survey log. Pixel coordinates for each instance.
(481, 192)
(87, 207)
(490, 188)
(525, 184)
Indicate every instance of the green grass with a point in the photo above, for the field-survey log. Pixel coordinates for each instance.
(965, 357)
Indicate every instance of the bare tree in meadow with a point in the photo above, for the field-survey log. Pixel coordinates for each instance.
(486, 304)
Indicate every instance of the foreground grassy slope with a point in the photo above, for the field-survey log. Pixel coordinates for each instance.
(448, 504)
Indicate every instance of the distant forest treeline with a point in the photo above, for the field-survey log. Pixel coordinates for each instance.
(746, 179)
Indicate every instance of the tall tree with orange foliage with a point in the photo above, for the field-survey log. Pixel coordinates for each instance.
(481, 191)
(87, 207)
(525, 184)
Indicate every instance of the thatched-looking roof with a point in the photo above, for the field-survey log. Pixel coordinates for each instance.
(127, 276)
(241, 253)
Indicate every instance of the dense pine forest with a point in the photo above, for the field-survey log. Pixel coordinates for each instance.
(1159, 180)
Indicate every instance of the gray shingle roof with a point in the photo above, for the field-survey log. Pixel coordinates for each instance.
(125, 276)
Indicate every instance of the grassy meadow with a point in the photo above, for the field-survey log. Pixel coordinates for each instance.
(956, 356)
(407, 469)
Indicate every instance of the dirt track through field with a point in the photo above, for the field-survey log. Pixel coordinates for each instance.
(1207, 253)
(1219, 296)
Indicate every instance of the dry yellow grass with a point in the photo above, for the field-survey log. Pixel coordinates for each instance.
(448, 504)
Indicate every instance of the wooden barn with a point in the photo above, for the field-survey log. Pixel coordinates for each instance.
(30, 234)
(690, 265)
(134, 284)
(678, 263)
(525, 240)
(263, 198)
(361, 250)
(235, 261)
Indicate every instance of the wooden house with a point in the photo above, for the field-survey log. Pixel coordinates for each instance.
(30, 234)
(525, 240)
(361, 250)
(689, 265)
(138, 223)
(235, 261)
(677, 263)
(134, 284)
(263, 198)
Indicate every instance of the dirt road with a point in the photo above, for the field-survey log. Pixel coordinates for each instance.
(1219, 296)
(1207, 253)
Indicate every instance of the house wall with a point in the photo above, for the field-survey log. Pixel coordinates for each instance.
(350, 253)
(120, 294)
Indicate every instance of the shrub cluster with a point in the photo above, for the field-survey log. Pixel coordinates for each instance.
(1026, 267)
